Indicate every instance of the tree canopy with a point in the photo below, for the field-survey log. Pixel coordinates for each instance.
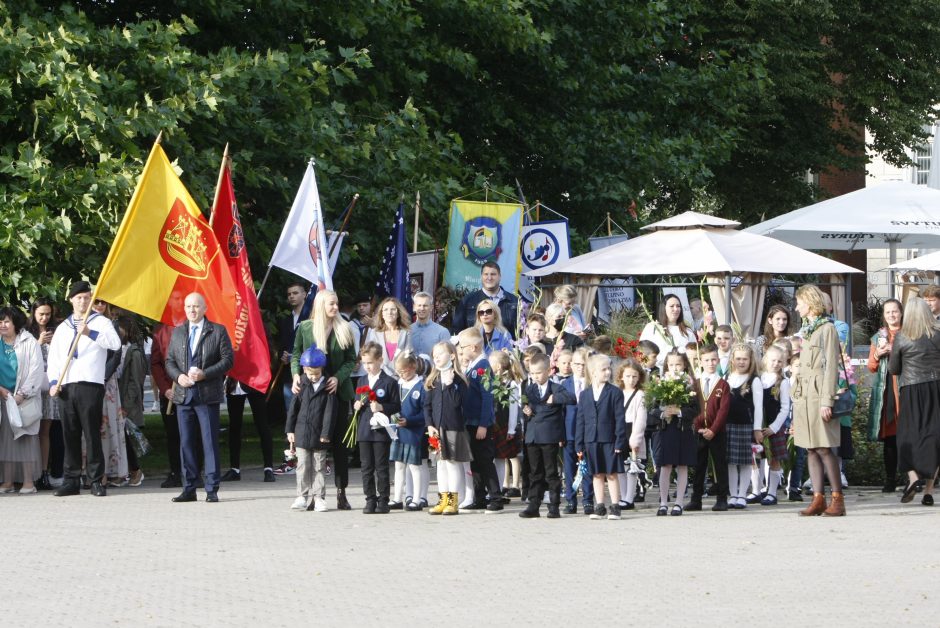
(590, 105)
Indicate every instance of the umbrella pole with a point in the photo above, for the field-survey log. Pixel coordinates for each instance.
(892, 259)
(849, 314)
(728, 316)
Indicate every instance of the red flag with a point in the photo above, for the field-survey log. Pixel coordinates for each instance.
(250, 343)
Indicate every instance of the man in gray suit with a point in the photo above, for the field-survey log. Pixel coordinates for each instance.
(199, 356)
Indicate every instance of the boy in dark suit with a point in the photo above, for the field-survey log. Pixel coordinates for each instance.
(375, 444)
(710, 426)
(544, 436)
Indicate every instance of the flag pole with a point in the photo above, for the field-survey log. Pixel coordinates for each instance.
(342, 228)
(85, 315)
(414, 248)
(264, 281)
(218, 184)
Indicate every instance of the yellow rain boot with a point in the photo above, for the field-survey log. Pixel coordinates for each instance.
(451, 508)
(440, 506)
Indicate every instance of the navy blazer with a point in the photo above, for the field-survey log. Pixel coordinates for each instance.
(386, 391)
(443, 405)
(546, 424)
(571, 410)
(213, 355)
(478, 408)
(412, 411)
(602, 420)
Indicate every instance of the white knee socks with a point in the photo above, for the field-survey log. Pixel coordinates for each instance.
(443, 476)
(682, 482)
(465, 491)
(419, 476)
(773, 480)
(665, 472)
(516, 465)
(500, 471)
(399, 481)
(733, 481)
(743, 480)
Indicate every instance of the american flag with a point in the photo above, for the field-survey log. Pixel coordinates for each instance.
(394, 278)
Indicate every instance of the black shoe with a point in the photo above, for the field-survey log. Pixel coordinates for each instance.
(588, 509)
(86, 484)
(571, 508)
(478, 506)
(69, 487)
(495, 505)
(269, 475)
(414, 506)
(663, 511)
(212, 497)
(341, 502)
(370, 507)
(627, 506)
(909, 491)
(504, 500)
(396, 506)
(720, 506)
(530, 513)
(754, 498)
(640, 497)
(98, 489)
(172, 481)
(43, 483)
(927, 500)
(233, 476)
(598, 512)
(185, 496)
(382, 507)
(614, 513)
(794, 495)
(694, 506)
(513, 492)
(553, 511)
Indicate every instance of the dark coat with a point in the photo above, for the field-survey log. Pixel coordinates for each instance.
(546, 424)
(213, 355)
(412, 411)
(602, 420)
(478, 407)
(131, 383)
(312, 415)
(716, 408)
(340, 362)
(386, 392)
(443, 405)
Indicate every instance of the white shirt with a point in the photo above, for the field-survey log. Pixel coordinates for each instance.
(91, 355)
(769, 380)
(708, 383)
(676, 339)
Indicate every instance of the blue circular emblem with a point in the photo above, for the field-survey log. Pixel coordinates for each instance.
(380, 393)
(539, 249)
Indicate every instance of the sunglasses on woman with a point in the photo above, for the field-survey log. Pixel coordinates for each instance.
(484, 312)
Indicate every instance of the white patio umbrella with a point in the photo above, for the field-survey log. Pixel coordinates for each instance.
(922, 263)
(876, 217)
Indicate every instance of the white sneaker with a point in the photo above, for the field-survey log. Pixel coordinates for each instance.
(155, 406)
(299, 504)
(320, 506)
(845, 482)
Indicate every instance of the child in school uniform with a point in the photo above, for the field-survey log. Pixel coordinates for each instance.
(507, 427)
(407, 451)
(776, 411)
(709, 427)
(575, 382)
(479, 414)
(445, 388)
(745, 421)
(601, 434)
(375, 443)
(724, 338)
(674, 440)
(544, 437)
(630, 379)
(309, 426)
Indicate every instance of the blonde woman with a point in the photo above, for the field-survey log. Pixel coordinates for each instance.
(331, 334)
(814, 391)
(489, 321)
(391, 330)
(915, 359)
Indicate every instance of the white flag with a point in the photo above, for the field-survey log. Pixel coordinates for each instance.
(302, 247)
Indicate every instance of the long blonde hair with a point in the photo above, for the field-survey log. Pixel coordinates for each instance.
(752, 364)
(596, 361)
(918, 319)
(497, 316)
(435, 373)
(509, 367)
(322, 326)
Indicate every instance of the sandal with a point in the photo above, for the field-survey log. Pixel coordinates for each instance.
(676, 511)
(769, 500)
(909, 491)
(663, 510)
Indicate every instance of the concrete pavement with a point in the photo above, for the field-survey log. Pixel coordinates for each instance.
(136, 559)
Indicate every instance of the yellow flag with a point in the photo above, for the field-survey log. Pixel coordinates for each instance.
(165, 245)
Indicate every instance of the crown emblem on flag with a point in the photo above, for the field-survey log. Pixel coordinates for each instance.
(183, 245)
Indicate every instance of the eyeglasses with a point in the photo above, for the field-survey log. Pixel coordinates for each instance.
(577, 364)
(485, 312)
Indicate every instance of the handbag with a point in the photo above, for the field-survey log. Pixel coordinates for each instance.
(844, 401)
(139, 442)
(31, 410)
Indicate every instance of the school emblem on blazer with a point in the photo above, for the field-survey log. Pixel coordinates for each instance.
(415, 395)
(380, 393)
(481, 240)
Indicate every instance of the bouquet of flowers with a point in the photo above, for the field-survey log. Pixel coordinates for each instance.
(502, 391)
(365, 394)
(434, 443)
(627, 348)
(666, 391)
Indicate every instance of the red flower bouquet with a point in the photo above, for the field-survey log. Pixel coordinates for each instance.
(626, 348)
(365, 394)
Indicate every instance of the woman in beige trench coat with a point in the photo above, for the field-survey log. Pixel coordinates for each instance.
(814, 427)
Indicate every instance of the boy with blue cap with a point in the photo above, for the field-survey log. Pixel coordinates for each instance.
(309, 427)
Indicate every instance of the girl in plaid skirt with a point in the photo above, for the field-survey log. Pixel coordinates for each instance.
(745, 421)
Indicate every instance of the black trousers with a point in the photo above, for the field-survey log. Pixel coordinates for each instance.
(338, 449)
(80, 408)
(57, 449)
(375, 480)
(172, 429)
(484, 470)
(259, 413)
(717, 447)
(543, 473)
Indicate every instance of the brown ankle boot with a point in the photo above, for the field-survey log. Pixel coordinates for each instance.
(816, 507)
(837, 507)
(341, 502)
